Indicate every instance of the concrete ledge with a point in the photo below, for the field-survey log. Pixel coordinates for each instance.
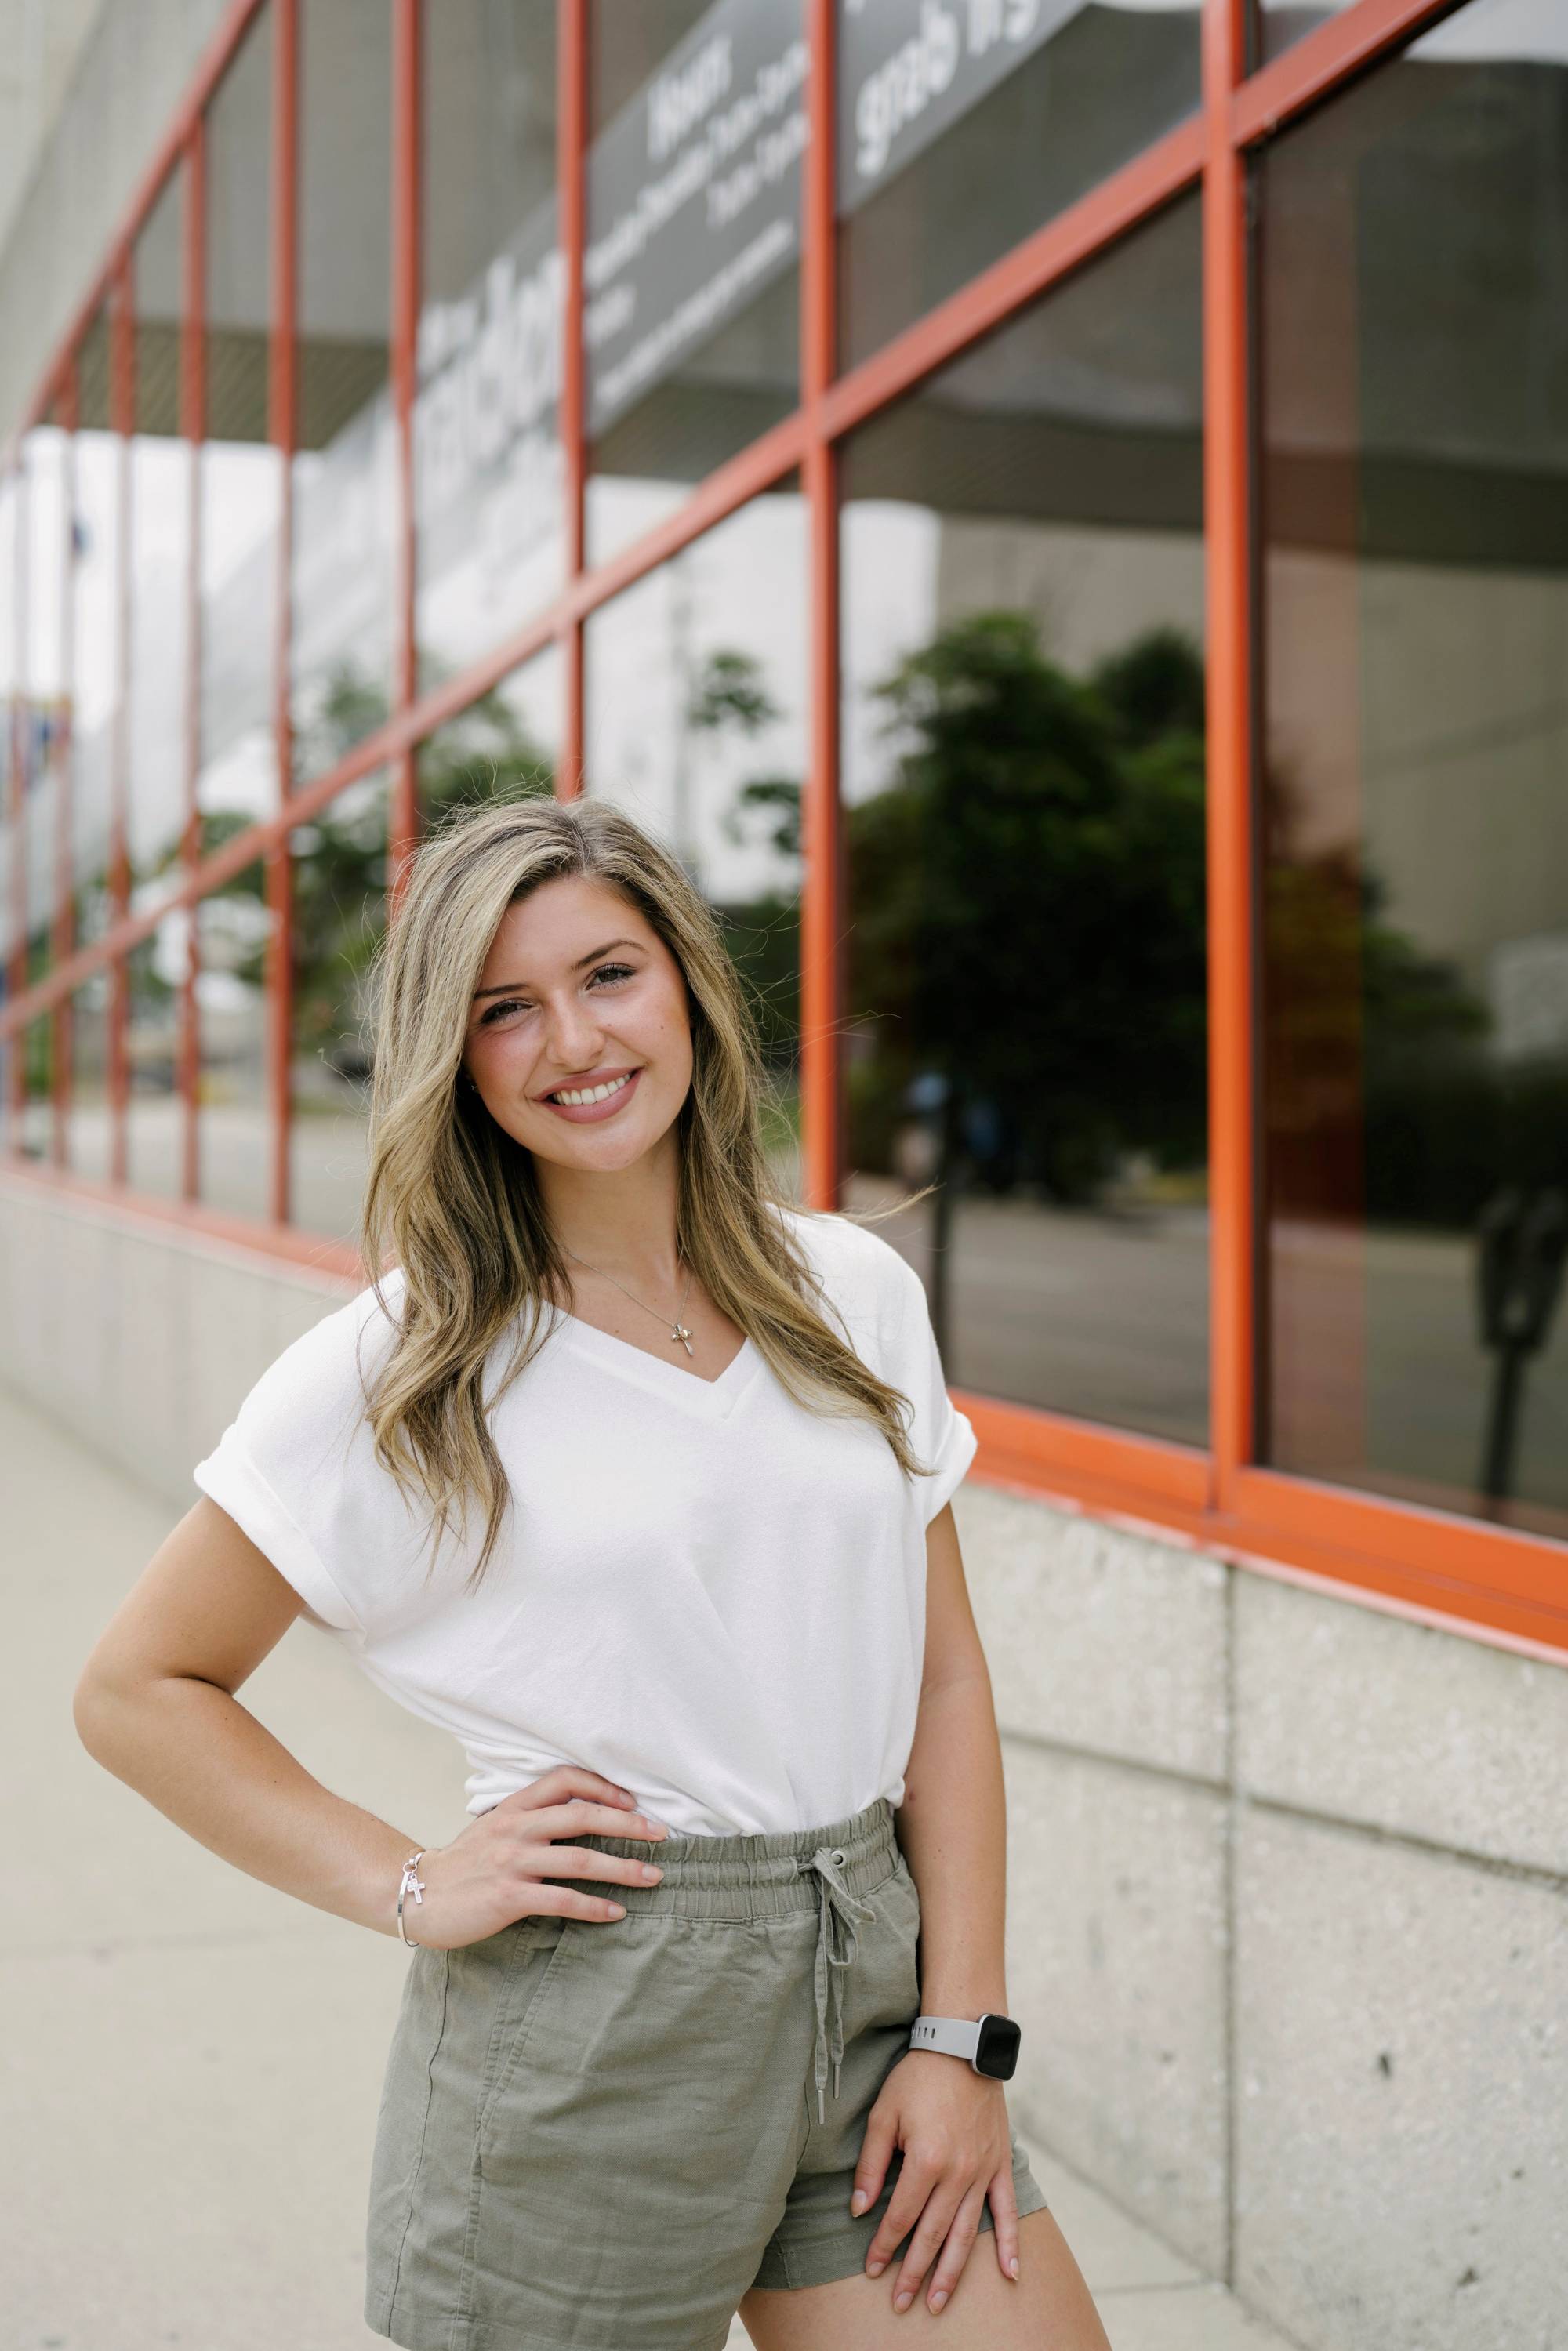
(1346, 1711)
(1098, 1638)
(140, 1340)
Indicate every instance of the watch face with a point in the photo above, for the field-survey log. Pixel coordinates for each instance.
(998, 2052)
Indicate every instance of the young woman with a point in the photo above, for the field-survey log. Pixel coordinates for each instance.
(637, 1479)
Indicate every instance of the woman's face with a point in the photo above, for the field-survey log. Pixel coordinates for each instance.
(578, 993)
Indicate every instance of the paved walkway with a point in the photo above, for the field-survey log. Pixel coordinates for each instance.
(193, 2062)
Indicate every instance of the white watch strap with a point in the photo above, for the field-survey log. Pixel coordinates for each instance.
(952, 2035)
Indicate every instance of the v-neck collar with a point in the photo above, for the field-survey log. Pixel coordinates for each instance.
(713, 1399)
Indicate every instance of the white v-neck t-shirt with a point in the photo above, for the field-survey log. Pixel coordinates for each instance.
(701, 1589)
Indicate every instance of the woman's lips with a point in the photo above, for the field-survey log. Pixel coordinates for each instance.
(591, 1113)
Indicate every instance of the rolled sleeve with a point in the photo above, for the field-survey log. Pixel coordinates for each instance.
(943, 1437)
(231, 1479)
(957, 1449)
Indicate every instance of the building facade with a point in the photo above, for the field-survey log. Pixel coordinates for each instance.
(1059, 512)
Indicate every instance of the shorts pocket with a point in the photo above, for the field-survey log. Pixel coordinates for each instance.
(899, 1898)
(540, 1945)
(403, 2117)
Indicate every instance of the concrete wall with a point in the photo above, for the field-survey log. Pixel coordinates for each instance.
(1288, 1926)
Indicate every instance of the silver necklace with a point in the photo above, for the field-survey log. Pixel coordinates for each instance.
(680, 1331)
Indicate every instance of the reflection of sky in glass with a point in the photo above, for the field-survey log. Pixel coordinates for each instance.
(45, 454)
(241, 483)
(344, 512)
(1498, 29)
(741, 589)
(160, 525)
(95, 653)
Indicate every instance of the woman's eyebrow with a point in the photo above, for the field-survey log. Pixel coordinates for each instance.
(511, 986)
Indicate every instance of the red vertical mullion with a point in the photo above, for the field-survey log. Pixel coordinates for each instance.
(122, 424)
(282, 390)
(192, 427)
(572, 210)
(823, 895)
(1228, 534)
(402, 830)
(64, 942)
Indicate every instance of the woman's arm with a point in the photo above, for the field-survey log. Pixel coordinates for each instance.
(950, 2122)
(952, 1823)
(155, 1706)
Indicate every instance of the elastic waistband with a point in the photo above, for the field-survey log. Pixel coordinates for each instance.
(765, 1876)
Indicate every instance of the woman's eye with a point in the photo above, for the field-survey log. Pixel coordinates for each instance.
(617, 971)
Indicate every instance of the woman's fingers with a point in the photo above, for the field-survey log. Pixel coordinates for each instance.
(936, 2218)
(580, 1861)
(876, 2148)
(1004, 2196)
(582, 1816)
(918, 2174)
(959, 2244)
(546, 1861)
(565, 1779)
(548, 1901)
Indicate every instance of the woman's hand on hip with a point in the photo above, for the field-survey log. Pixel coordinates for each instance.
(952, 2126)
(503, 1866)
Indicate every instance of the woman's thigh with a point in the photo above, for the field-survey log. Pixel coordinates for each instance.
(1047, 2308)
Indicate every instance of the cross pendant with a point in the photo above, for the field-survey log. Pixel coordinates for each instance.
(683, 1335)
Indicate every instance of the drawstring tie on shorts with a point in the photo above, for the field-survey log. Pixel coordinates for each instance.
(834, 1902)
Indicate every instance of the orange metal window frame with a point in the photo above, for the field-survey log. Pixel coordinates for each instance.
(1494, 1584)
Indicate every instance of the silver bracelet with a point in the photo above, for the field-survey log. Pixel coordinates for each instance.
(411, 1883)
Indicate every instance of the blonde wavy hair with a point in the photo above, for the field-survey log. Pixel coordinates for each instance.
(453, 1201)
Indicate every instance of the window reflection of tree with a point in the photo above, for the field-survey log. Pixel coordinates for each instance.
(1028, 960)
(730, 699)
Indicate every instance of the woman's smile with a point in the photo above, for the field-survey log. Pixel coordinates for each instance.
(584, 1105)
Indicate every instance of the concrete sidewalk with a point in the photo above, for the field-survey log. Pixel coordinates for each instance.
(194, 2060)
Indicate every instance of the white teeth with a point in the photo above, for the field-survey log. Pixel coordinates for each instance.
(593, 1093)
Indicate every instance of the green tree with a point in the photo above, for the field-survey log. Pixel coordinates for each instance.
(340, 871)
(729, 697)
(1029, 902)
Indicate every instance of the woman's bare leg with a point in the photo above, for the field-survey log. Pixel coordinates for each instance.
(1047, 2308)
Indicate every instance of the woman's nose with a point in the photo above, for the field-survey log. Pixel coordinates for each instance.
(575, 1036)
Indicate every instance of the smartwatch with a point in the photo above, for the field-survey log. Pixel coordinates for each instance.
(991, 2045)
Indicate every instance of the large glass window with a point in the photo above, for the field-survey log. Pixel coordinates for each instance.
(966, 124)
(339, 864)
(1415, 497)
(157, 694)
(503, 746)
(1023, 788)
(234, 930)
(691, 272)
(46, 457)
(241, 471)
(98, 462)
(37, 1123)
(488, 483)
(345, 472)
(87, 1138)
(1280, 24)
(11, 590)
(695, 722)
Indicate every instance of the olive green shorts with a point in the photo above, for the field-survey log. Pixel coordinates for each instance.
(600, 2135)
